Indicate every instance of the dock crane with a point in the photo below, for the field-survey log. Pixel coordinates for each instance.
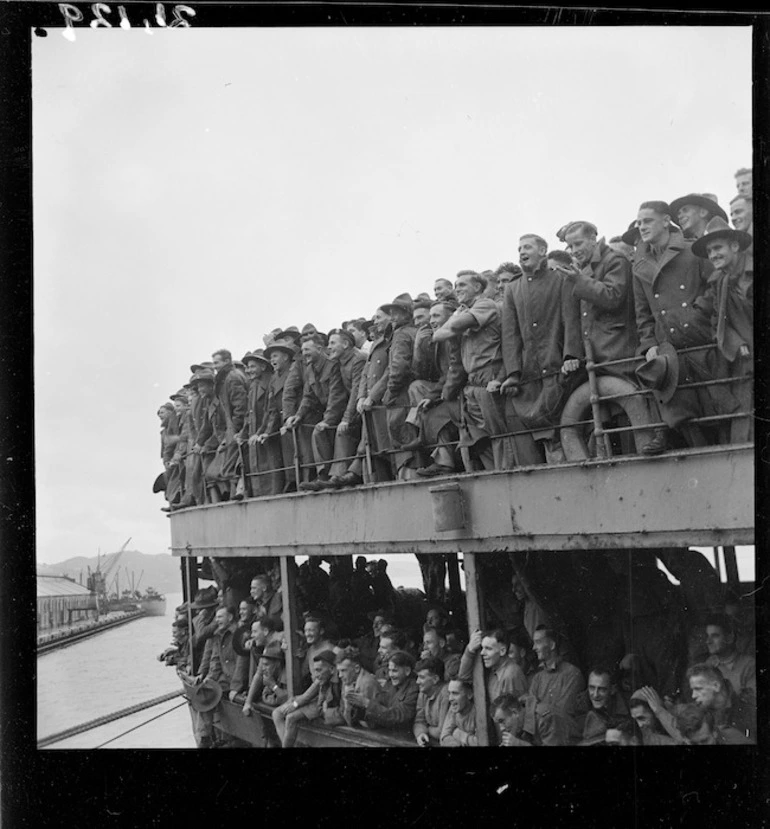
(97, 580)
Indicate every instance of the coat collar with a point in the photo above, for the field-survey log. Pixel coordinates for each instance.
(647, 268)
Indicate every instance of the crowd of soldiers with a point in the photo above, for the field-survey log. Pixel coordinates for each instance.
(415, 681)
(477, 377)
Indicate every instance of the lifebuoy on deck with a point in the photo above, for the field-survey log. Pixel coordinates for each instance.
(578, 408)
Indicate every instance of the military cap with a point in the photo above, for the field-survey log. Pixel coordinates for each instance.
(274, 651)
(703, 200)
(286, 346)
(631, 236)
(179, 395)
(422, 300)
(402, 302)
(717, 228)
(198, 366)
(205, 374)
(259, 355)
(344, 334)
(308, 328)
(326, 656)
(290, 333)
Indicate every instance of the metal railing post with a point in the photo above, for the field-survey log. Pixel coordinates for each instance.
(603, 447)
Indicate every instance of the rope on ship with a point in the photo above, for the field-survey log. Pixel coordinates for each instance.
(107, 718)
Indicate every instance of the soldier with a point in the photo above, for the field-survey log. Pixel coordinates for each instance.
(280, 354)
(671, 307)
(601, 280)
(258, 371)
(400, 374)
(459, 728)
(476, 326)
(694, 211)
(231, 390)
(195, 490)
(443, 289)
(209, 443)
(176, 472)
(351, 363)
(374, 380)
(731, 293)
(744, 182)
(169, 437)
(542, 346)
(322, 404)
(421, 312)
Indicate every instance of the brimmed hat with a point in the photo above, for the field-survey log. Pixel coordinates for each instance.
(718, 228)
(631, 236)
(160, 483)
(422, 300)
(274, 651)
(290, 333)
(205, 374)
(205, 598)
(308, 328)
(205, 696)
(240, 635)
(363, 324)
(286, 346)
(661, 374)
(196, 367)
(259, 355)
(179, 395)
(698, 200)
(402, 301)
(345, 334)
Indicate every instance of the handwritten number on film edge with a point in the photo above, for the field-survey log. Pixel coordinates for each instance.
(72, 15)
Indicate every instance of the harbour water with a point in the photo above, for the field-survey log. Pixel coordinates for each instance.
(119, 668)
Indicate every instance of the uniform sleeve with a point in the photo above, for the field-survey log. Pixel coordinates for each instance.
(377, 392)
(309, 399)
(609, 292)
(456, 375)
(467, 662)
(447, 738)
(292, 391)
(570, 313)
(241, 675)
(512, 341)
(398, 712)
(338, 397)
(351, 414)
(399, 364)
(238, 397)
(645, 320)
(422, 354)
(215, 664)
(420, 721)
(514, 681)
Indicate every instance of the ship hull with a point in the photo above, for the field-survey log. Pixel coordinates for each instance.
(153, 607)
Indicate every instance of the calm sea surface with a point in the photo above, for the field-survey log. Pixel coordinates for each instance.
(119, 668)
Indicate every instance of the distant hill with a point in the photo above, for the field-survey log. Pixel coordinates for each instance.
(161, 571)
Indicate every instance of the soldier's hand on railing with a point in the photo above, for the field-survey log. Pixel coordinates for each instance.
(651, 353)
(474, 645)
(289, 423)
(569, 366)
(493, 386)
(232, 695)
(743, 351)
(246, 709)
(253, 440)
(342, 429)
(321, 427)
(197, 449)
(366, 404)
(261, 438)
(510, 386)
(423, 740)
(425, 404)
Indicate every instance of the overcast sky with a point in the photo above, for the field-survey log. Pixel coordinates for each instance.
(195, 188)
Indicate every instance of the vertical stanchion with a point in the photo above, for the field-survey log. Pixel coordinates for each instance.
(290, 625)
(476, 622)
(465, 452)
(297, 470)
(369, 477)
(188, 586)
(603, 449)
(455, 591)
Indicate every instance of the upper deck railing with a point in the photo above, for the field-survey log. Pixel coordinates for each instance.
(701, 496)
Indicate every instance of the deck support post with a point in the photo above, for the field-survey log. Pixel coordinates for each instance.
(455, 591)
(474, 601)
(290, 624)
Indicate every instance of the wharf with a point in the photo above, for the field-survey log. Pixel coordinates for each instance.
(82, 630)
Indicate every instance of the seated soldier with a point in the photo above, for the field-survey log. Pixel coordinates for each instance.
(739, 669)
(553, 694)
(648, 726)
(503, 675)
(622, 735)
(600, 707)
(434, 645)
(508, 716)
(459, 727)
(395, 705)
(369, 644)
(437, 618)
(355, 680)
(316, 642)
(268, 601)
(269, 682)
(320, 701)
(696, 725)
(391, 641)
(432, 702)
(713, 692)
(264, 632)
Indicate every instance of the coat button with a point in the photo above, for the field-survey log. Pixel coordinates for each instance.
(684, 305)
(663, 311)
(529, 279)
(585, 313)
(534, 325)
(545, 371)
(657, 296)
(681, 287)
(687, 325)
(672, 330)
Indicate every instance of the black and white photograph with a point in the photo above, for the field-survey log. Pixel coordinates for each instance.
(393, 388)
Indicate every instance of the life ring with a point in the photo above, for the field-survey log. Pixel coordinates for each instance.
(578, 408)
